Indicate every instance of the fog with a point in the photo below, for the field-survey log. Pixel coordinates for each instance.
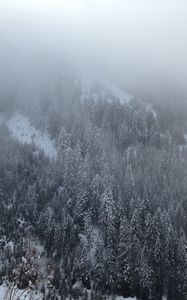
(140, 44)
(93, 149)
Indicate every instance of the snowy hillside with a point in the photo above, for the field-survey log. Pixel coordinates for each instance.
(95, 86)
(21, 128)
(12, 293)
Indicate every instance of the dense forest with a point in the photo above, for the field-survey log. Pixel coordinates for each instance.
(109, 211)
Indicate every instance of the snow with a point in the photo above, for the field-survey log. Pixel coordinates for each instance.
(88, 81)
(6, 290)
(121, 298)
(150, 108)
(2, 292)
(21, 128)
(10, 292)
(117, 92)
(77, 285)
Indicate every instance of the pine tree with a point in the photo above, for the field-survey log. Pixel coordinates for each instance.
(96, 192)
(107, 217)
(145, 275)
(63, 142)
(98, 269)
(124, 255)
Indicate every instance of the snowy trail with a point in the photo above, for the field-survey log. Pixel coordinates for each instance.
(21, 129)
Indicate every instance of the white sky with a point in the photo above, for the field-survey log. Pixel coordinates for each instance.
(139, 40)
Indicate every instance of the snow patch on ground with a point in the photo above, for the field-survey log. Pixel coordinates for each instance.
(21, 129)
(9, 292)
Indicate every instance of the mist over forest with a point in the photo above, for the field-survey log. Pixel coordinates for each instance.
(93, 150)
